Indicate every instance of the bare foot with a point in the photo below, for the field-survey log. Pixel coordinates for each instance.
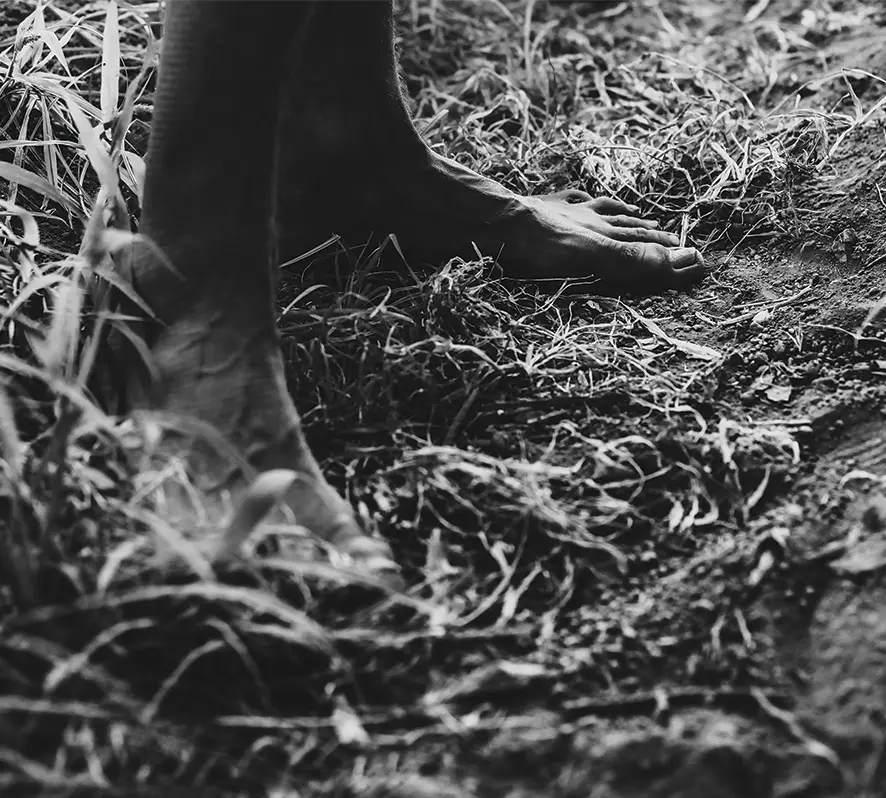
(576, 235)
(439, 209)
(233, 381)
(215, 346)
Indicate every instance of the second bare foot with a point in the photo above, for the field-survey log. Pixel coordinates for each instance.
(234, 382)
(439, 209)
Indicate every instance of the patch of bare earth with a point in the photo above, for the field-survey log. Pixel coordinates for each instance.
(643, 538)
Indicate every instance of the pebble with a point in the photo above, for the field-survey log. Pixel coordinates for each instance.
(825, 384)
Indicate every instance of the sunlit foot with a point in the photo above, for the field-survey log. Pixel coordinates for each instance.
(438, 209)
(233, 381)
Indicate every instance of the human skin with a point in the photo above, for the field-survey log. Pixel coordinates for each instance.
(276, 124)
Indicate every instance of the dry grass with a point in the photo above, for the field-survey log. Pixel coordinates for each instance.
(572, 509)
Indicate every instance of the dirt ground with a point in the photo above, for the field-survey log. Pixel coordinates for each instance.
(802, 365)
(664, 532)
(797, 707)
(811, 365)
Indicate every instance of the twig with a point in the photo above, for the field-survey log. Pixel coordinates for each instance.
(779, 303)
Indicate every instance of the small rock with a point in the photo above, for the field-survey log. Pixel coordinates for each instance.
(779, 393)
(759, 320)
(779, 350)
(849, 239)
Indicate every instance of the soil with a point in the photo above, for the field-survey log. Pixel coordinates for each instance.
(792, 701)
(801, 364)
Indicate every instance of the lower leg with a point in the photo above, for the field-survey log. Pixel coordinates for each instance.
(208, 206)
(343, 126)
(363, 169)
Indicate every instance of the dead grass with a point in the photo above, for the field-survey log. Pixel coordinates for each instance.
(572, 509)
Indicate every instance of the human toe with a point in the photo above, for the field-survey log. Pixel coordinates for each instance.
(623, 220)
(641, 234)
(609, 205)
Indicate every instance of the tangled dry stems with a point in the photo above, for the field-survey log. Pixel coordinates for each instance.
(533, 456)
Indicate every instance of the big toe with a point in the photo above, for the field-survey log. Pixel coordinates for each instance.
(646, 267)
(686, 258)
(677, 266)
